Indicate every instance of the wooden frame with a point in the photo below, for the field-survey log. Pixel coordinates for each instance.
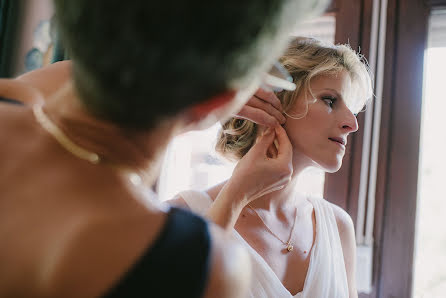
(398, 171)
(396, 193)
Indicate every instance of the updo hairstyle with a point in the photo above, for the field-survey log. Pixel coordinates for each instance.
(305, 59)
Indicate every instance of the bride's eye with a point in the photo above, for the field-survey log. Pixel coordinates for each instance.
(329, 100)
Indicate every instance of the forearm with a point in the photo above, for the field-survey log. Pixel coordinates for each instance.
(227, 206)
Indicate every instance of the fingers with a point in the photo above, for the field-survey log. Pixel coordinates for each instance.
(257, 116)
(272, 150)
(283, 142)
(269, 97)
(263, 108)
(263, 105)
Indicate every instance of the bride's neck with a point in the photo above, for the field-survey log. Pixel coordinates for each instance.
(282, 199)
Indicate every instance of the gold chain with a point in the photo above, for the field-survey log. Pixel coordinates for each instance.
(288, 244)
(62, 138)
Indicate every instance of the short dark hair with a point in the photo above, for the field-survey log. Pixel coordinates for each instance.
(138, 61)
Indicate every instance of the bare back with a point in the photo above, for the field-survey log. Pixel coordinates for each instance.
(58, 212)
(64, 219)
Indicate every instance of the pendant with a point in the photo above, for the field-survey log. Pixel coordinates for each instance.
(289, 247)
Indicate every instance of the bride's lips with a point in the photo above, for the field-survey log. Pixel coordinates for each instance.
(340, 141)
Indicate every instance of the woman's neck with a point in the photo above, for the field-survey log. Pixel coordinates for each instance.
(283, 199)
(139, 151)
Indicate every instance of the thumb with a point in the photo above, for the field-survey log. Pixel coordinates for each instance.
(284, 144)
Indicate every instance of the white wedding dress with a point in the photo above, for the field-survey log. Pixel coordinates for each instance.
(326, 276)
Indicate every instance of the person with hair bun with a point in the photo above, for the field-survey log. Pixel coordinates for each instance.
(300, 246)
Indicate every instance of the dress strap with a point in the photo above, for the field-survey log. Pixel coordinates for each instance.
(326, 276)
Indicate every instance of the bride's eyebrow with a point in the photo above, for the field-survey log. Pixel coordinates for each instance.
(338, 96)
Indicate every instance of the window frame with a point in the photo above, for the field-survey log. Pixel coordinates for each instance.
(399, 140)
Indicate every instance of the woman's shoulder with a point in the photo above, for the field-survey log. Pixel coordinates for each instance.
(19, 91)
(213, 191)
(230, 263)
(346, 228)
(38, 85)
(342, 217)
(343, 220)
(198, 201)
(218, 263)
(49, 79)
(181, 229)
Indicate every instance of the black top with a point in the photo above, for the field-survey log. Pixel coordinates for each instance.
(176, 265)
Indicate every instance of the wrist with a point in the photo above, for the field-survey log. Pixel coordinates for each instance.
(234, 193)
(227, 206)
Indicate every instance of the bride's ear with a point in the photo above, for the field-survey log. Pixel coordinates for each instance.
(217, 106)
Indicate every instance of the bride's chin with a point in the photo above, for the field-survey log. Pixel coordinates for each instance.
(330, 167)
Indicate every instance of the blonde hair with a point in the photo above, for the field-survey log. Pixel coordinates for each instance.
(304, 59)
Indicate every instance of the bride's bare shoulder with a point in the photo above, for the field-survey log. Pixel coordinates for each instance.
(343, 220)
(179, 201)
(215, 190)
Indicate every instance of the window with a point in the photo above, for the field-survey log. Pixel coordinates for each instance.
(430, 245)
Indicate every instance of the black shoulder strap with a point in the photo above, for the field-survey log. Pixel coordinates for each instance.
(176, 265)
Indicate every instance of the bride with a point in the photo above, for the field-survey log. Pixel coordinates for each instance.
(300, 246)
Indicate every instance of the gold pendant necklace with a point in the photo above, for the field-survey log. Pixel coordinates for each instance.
(289, 246)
